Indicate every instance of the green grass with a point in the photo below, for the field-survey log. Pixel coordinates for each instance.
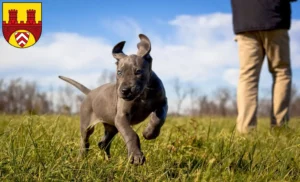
(45, 148)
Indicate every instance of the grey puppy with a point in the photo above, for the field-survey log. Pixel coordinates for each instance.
(137, 93)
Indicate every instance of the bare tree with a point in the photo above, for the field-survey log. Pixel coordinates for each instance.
(204, 108)
(223, 96)
(233, 102)
(193, 94)
(295, 102)
(66, 99)
(19, 97)
(79, 99)
(106, 77)
(181, 94)
(3, 94)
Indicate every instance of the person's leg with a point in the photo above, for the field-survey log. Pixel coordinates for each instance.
(276, 44)
(251, 56)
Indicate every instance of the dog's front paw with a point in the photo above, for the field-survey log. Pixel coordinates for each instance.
(151, 132)
(137, 159)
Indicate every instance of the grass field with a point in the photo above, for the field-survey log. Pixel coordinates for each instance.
(45, 148)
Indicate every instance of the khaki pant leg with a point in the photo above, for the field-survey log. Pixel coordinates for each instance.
(276, 44)
(251, 56)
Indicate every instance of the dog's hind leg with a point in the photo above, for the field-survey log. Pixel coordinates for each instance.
(157, 120)
(87, 128)
(85, 135)
(109, 132)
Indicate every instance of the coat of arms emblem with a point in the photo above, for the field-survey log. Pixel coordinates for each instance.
(22, 23)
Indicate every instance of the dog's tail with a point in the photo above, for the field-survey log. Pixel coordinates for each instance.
(76, 84)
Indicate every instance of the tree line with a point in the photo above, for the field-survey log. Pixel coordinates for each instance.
(18, 96)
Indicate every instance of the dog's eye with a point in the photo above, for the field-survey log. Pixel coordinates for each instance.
(119, 72)
(138, 72)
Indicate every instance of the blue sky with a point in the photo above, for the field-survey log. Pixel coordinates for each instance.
(192, 40)
(90, 14)
(85, 16)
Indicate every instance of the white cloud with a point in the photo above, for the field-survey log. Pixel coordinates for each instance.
(200, 45)
(295, 43)
(58, 51)
(231, 76)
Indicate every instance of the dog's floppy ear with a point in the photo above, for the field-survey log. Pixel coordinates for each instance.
(144, 47)
(117, 51)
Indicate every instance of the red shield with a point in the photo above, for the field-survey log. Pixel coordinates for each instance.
(22, 23)
(22, 38)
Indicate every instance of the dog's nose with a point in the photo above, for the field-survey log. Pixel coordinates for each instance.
(126, 91)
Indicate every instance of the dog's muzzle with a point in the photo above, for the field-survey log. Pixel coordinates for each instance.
(130, 93)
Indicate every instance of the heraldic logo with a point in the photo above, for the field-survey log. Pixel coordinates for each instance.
(22, 23)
